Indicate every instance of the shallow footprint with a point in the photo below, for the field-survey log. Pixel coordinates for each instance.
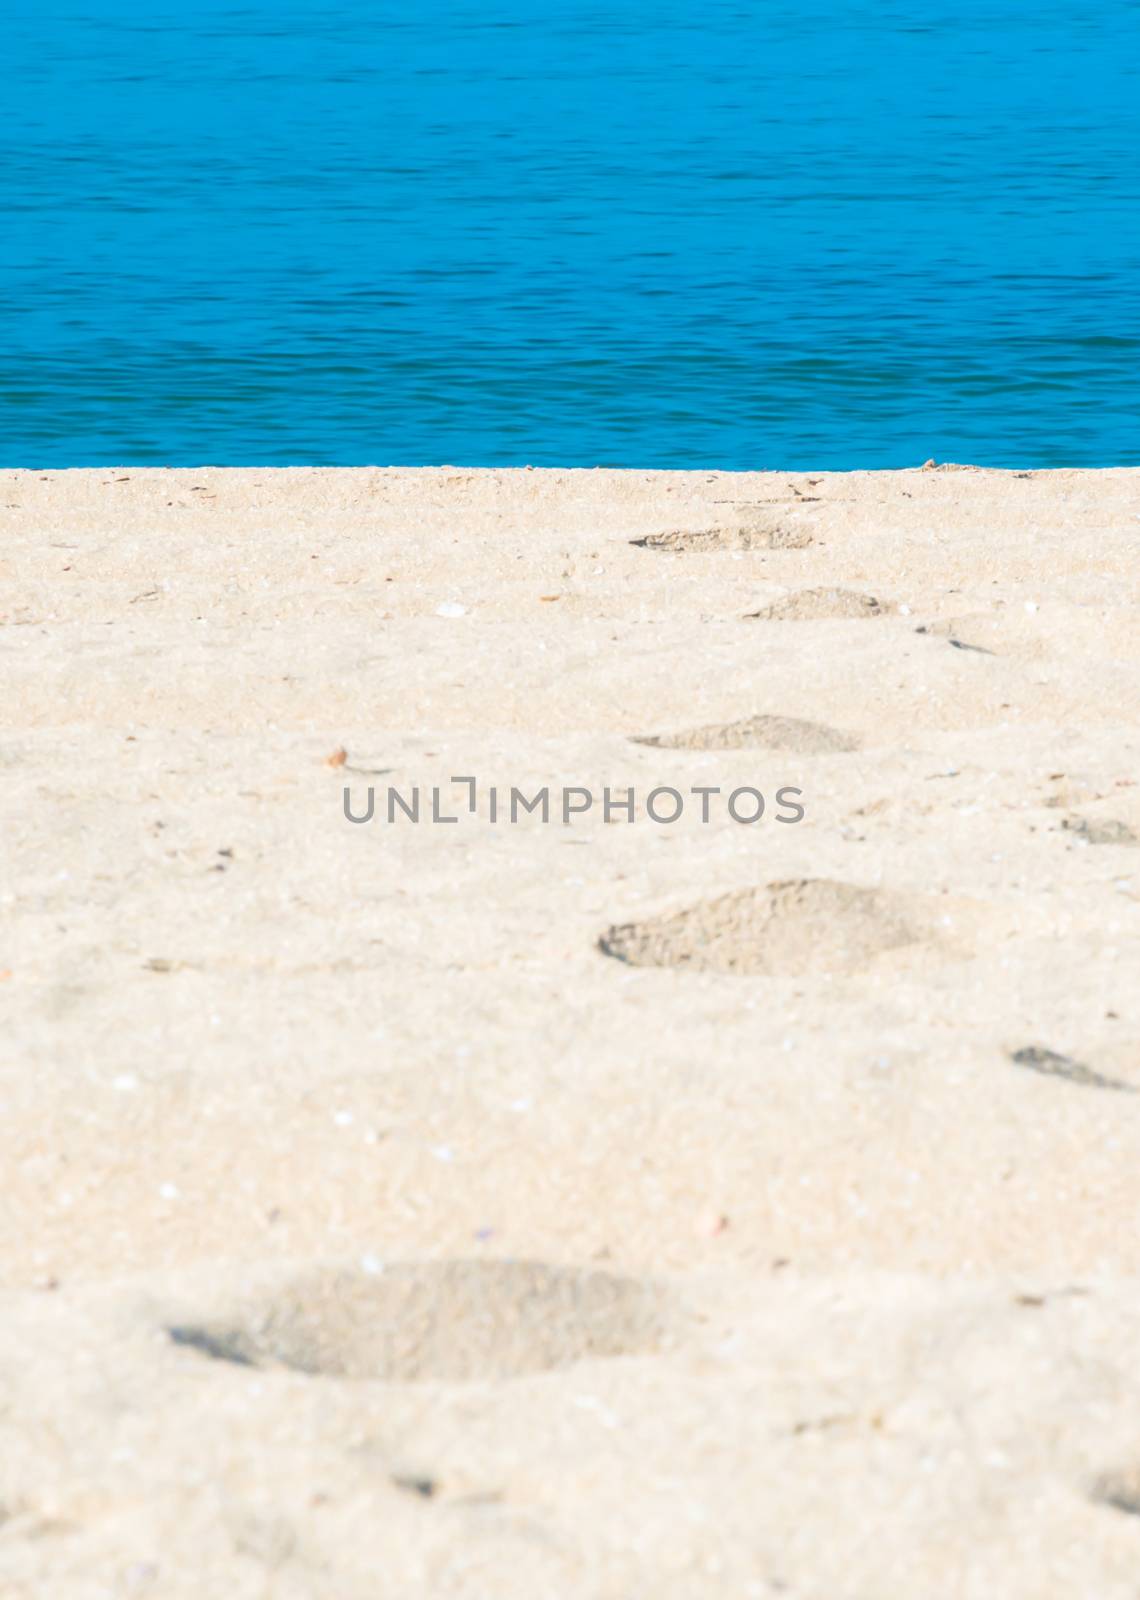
(758, 733)
(749, 536)
(789, 929)
(453, 1321)
(1106, 830)
(811, 605)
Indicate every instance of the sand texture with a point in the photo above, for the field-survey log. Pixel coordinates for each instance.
(575, 1208)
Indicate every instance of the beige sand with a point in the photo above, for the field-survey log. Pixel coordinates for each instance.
(368, 1230)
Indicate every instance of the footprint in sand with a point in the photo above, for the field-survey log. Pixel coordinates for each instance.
(790, 929)
(813, 605)
(1105, 831)
(758, 733)
(748, 536)
(452, 1321)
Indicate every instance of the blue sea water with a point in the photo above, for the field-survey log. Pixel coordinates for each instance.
(675, 233)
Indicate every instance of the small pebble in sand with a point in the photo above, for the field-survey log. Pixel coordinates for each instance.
(451, 608)
(1120, 1490)
(710, 1223)
(338, 757)
(412, 1483)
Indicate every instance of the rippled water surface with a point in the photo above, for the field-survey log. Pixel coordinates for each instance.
(813, 234)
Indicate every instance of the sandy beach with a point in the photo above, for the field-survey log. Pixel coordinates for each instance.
(582, 1207)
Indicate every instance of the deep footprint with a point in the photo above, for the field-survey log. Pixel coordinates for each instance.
(812, 605)
(792, 929)
(452, 1321)
(758, 733)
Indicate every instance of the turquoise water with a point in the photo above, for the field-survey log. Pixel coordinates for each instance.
(812, 234)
